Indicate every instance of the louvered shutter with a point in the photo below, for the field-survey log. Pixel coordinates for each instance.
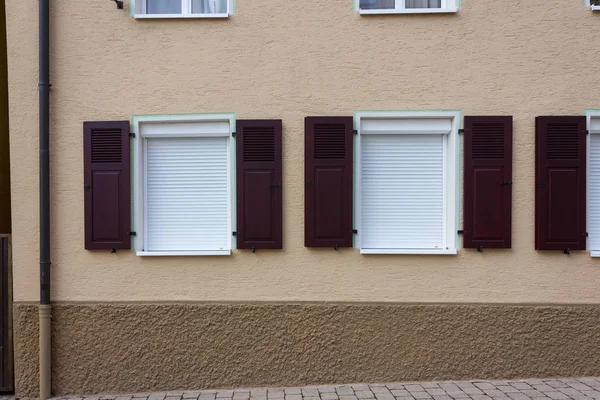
(328, 181)
(488, 180)
(560, 183)
(402, 191)
(259, 184)
(107, 185)
(187, 194)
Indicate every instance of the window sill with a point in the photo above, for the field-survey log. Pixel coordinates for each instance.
(410, 11)
(184, 253)
(595, 253)
(595, 8)
(408, 251)
(179, 16)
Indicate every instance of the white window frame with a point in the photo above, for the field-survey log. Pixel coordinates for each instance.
(451, 173)
(177, 126)
(593, 8)
(589, 115)
(447, 6)
(186, 11)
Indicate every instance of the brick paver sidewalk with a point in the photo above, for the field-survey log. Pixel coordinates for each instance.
(528, 389)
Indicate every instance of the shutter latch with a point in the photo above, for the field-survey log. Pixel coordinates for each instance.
(507, 183)
(132, 134)
(355, 231)
(461, 131)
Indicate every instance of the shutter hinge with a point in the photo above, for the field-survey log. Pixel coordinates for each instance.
(234, 233)
(587, 234)
(131, 134)
(461, 131)
(355, 231)
(460, 231)
(355, 131)
(133, 233)
(587, 131)
(234, 134)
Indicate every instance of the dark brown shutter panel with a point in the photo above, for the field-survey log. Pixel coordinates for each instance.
(488, 182)
(560, 178)
(107, 185)
(259, 184)
(328, 173)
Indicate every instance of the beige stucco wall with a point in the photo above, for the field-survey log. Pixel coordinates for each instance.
(290, 59)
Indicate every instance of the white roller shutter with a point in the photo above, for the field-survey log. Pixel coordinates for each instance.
(594, 193)
(402, 191)
(187, 194)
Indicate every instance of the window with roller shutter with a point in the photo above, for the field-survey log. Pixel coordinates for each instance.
(183, 185)
(593, 194)
(259, 184)
(488, 181)
(328, 181)
(407, 174)
(106, 185)
(560, 183)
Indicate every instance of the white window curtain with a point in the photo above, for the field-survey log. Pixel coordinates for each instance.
(209, 6)
(187, 194)
(402, 191)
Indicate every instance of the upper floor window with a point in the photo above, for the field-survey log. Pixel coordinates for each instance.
(406, 6)
(181, 8)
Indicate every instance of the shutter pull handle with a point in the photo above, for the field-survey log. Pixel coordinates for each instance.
(480, 249)
(254, 249)
(336, 247)
(507, 183)
(567, 252)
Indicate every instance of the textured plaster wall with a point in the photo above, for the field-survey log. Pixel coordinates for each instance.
(290, 59)
(5, 226)
(124, 348)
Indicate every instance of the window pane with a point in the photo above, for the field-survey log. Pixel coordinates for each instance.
(209, 6)
(163, 7)
(377, 4)
(423, 3)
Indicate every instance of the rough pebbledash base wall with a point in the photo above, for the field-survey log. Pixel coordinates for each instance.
(138, 347)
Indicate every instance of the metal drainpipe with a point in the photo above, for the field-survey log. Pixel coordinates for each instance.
(44, 117)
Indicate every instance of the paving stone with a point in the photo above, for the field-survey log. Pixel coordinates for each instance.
(473, 390)
(166, 398)
(205, 396)
(449, 386)
(360, 387)
(495, 393)
(435, 391)
(258, 397)
(310, 392)
(480, 397)
(556, 384)
(241, 396)
(175, 393)
(344, 391)
(348, 397)
(414, 388)
(420, 395)
(442, 397)
(400, 392)
(364, 394)
(326, 389)
(465, 384)
(394, 386)
(458, 394)
(533, 393)
(158, 396)
(224, 394)
(543, 387)
(579, 386)
(484, 386)
(508, 389)
(293, 396)
(380, 389)
(263, 392)
(123, 398)
(556, 395)
(329, 396)
(594, 394)
(312, 398)
(190, 395)
(405, 398)
(153, 396)
(430, 385)
(384, 396)
(518, 396)
(279, 394)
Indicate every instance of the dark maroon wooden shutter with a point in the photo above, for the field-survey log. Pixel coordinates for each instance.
(259, 184)
(560, 221)
(328, 178)
(488, 182)
(107, 185)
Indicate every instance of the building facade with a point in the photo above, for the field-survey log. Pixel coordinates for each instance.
(435, 229)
